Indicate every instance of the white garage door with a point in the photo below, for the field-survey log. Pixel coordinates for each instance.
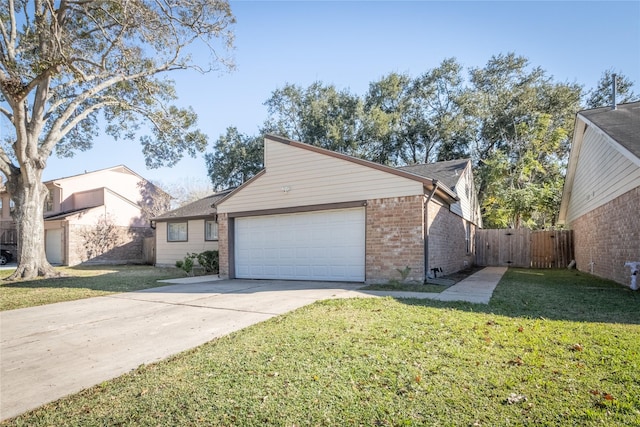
(320, 245)
(53, 245)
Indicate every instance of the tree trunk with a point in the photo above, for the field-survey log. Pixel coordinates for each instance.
(29, 194)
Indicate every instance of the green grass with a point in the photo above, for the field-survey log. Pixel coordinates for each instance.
(81, 282)
(552, 348)
(394, 285)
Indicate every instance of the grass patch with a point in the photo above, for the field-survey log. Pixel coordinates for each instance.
(81, 282)
(394, 285)
(531, 357)
(565, 294)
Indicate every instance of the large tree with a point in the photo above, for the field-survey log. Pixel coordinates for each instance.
(524, 122)
(319, 115)
(63, 62)
(236, 158)
(408, 121)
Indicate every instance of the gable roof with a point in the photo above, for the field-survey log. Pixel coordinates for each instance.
(428, 182)
(448, 172)
(119, 168)
(622, 124)
(202, 208)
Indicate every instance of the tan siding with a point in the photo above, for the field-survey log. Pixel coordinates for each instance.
(85, 199)
(167, 253)
(313, 178)
(602, 174)
(467, 207)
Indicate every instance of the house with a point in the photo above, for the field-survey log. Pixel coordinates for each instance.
(192, 228)
(601, 196)
(314, 214)
(95, 217)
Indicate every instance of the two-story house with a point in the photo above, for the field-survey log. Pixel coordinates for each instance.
(95, 217)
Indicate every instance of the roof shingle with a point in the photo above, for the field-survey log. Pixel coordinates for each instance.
(447, 172)
(199, 209)
(621, 124)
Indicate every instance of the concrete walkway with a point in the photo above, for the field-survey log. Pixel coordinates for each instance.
(476, 288)
(51, 351)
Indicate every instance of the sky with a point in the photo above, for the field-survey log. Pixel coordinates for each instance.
(352, 43)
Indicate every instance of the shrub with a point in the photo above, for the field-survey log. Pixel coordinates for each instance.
(186, 265)
(208, 260)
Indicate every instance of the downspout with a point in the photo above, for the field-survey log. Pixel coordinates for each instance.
(434, 182)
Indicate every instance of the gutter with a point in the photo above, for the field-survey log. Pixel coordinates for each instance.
(425, 236)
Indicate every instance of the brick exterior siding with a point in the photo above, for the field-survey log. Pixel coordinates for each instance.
(447, 240)
(123, 246)
(394, 238)
(223, 245)
(610, 236)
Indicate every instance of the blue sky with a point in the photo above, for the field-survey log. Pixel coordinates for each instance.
(352, 43)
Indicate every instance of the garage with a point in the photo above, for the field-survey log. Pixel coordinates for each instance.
(53, 245)
(327, 245)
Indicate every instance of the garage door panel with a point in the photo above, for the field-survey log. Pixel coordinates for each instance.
(321, 245)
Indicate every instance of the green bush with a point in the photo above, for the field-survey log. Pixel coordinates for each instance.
(186, 265)
(208, 260)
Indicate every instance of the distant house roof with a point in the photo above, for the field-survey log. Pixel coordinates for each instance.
(202, 208)
(63, 215)
(621, 124)
(447, 172)
(118, 168)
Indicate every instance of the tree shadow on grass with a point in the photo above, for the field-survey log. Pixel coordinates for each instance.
(556, 294)
(108, 278)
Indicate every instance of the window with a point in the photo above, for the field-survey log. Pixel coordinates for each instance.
(48, 204)
(176, 231)
(467, 237)
(210, 230)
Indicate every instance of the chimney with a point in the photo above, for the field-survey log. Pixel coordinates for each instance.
(614, 89)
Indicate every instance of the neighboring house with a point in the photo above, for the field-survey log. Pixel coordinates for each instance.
(601, 196)
(192, 228)
(95, 217)
(314, 214)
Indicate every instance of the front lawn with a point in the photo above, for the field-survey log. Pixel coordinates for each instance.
(533, 356)
(81, 282)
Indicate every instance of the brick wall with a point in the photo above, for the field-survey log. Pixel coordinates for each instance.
(447, 240)
(223, 245)
(394, 238)
(122, 245)
(610, 236)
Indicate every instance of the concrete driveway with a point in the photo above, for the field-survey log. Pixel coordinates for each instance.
(52, 351)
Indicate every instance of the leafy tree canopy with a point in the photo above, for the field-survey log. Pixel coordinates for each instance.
(602, 94)
(63, 62)
(235, 159)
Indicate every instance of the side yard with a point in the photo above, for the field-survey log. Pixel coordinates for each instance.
(554, 347)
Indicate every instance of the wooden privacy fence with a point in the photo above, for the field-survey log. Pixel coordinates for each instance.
(524, 248)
